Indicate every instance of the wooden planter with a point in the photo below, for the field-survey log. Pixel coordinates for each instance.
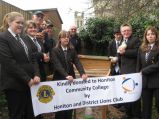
(95, 65)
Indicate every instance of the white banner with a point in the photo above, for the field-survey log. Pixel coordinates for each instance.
(53, 96)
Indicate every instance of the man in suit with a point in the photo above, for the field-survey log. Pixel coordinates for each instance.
(128, 61)
(112, 51)
(19, 70)
(74, 39)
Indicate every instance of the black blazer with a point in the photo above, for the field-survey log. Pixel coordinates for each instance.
(129, 59)
(16, 68)
(60, 68)
(37, 55)
(112, 51)
(149, 69)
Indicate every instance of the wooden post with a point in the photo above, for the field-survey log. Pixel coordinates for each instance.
(96, 66)
(104, 112)
(74, 114)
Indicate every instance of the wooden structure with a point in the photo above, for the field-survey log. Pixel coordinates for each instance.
(96, 66)
(6, 8)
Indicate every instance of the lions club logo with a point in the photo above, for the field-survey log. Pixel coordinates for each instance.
(45, 94)
(128, 84)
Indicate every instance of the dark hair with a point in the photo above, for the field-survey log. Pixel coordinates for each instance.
(38, 12)
(116, 30)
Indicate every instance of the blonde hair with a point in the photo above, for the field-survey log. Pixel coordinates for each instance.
(4, 23)
(9, 17)
(126, 24)
(29, 22)
(12, 16)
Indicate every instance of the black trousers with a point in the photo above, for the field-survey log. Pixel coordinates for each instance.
(19, 104)
(67, 114)
(147, 99)
(133, 109)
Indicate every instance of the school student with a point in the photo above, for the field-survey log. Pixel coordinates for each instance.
(64, 57)
(148, 65)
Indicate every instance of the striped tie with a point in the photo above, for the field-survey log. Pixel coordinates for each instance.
(37, 45)
(147, 53)
(23, 44)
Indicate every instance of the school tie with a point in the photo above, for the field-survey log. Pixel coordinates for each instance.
(65, 53)
(117, 44)
(147, 53)
(67, 66)
(23, 44)
(37, 45)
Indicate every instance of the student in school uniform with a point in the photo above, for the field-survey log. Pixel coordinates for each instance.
(148, 65)
(37, 47)
(64, 57)
(19, 70)
(113, 51)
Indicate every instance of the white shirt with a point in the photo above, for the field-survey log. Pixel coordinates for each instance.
(13, 34)
(63, 48)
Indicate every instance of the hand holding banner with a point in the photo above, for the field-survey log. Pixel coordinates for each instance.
(53, 96)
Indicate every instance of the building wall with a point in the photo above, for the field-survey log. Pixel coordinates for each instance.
(52, 14)
(6, 8)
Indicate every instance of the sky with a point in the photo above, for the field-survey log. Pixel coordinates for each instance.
(66, 8)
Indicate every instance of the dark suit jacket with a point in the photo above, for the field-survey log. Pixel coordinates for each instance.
(17, 69)
(60, 68)
(112, 51)
(37, 55)
(150, 69)
(76, 42)
(129, 59)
